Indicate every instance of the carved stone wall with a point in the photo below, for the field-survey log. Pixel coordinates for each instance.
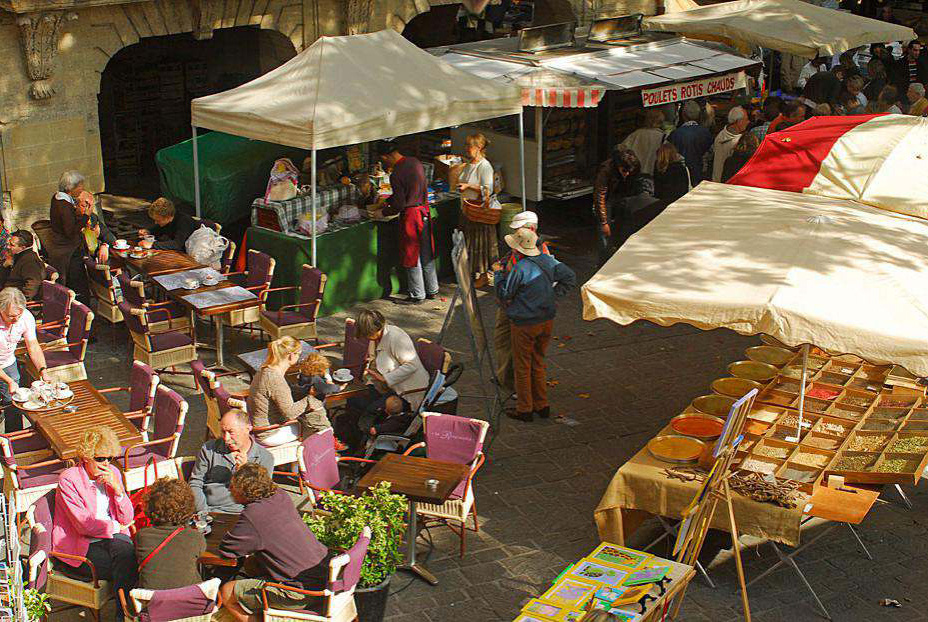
(57, 50)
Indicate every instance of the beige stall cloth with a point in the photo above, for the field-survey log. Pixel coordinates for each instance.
(835, 273)
(640, 484)
(783, 25)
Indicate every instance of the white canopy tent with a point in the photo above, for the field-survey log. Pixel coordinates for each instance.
(353, 89)
(791, 26)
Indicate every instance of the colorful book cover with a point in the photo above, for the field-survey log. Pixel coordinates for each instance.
(649, 574)
(619, 556)
(570, 592)
(550, 610)
(620, 615)
(616, 596)
(531, 617)
(593, 570)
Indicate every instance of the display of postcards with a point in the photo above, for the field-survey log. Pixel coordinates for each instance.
(650, 574)
(531, 617)
(619, 556)
(620, 615)
(550, 611)
(598, 572)
(622, 595)
(570, 592)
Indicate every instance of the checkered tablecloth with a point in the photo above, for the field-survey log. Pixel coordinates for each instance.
(289, 212)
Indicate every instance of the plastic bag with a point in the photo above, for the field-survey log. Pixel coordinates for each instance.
(206, 246)
(306, 222)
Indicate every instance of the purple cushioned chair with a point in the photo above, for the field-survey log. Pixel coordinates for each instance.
(103, 288)
(217, 398)
(354, 349)
(256, 278)
(162, 350)
(66, 361)
(336, 602)
(28, 482)
(142, 385)
(162, 315)
(318, 465)
(168, 415)
(193, 603)
(299, 320)
(55, 310)
(449, 438)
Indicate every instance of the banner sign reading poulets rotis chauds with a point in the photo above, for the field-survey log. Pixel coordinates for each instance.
(691, 90)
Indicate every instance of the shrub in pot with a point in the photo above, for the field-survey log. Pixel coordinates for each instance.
(340, 526)
(37, 605)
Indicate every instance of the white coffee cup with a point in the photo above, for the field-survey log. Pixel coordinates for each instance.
(22, 394)
(121, 244)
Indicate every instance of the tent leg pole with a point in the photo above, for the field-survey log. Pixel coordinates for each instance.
(314, 205)
(522, 156)
(196, 172)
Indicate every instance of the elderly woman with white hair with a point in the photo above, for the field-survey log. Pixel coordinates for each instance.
(71, 213)
(16, 324)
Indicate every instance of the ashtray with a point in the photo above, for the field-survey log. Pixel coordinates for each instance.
(431, 483)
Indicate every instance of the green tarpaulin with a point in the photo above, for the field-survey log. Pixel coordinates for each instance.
(233, 171)
(361, 262)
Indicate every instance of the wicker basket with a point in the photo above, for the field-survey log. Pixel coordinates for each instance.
(480, 212)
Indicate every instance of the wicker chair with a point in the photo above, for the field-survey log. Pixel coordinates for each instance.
(55, 312)
(157, 454)
(45, 566)
(338, 596)
(65, 362)
(460, 440)
(218, 400)
(300, 321)
(354, 349)
(318, 465)
(31, 468)
(103, 289)
(194, 603)
(256, 278)
(163, 350)
(142, 384)
(228, 257)
(163, 316)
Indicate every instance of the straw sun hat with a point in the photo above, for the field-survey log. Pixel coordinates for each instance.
(525, 241)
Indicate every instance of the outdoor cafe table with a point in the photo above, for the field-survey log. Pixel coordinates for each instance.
(221, 525)
(64, 429)
(156, 262)
(407, 476)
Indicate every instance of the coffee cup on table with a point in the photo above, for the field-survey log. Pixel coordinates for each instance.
(22, 394)
(121, 245)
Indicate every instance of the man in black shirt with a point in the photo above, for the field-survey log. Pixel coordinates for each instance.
(172, 228)
(25, 270)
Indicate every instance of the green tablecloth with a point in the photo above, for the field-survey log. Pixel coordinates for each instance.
(361, 261)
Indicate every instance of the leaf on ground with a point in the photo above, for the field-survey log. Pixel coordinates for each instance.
(553, 383)
(566, 337)
(562, 345)
(583, 395)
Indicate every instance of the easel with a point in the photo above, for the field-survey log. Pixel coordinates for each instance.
(480, 347)
(698, 516)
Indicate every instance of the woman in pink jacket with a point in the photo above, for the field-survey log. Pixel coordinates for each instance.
(93, 513)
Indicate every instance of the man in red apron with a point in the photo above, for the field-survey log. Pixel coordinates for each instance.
(410, 201)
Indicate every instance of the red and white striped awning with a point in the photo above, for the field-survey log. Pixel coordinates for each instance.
(880, 160)
(555, 97)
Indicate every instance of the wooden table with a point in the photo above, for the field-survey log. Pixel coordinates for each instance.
(221, 525)
(159, 262)
(64, 430)
(407, 476)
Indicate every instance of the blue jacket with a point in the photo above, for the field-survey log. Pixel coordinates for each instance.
(692, 141)
(528, 291)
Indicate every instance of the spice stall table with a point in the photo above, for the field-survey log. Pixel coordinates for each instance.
(64, 429)
(361, 260)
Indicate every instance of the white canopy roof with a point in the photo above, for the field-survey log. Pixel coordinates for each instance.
(804, 269)
(352, 89)
(789, 26)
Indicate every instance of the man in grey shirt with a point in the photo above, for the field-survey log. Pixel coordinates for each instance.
(218, 460)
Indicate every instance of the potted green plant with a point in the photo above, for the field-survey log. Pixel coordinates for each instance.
(340, 526)
(37, 605)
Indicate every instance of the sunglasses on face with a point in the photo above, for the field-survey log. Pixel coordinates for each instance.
(102, 459)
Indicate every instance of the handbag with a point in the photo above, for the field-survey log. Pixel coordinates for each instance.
(138, 499)
(159, 547)
(481, 212)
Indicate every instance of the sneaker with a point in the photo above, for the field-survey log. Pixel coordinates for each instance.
(407, 301)
(514, 414)
(544, 413)
(432, 296)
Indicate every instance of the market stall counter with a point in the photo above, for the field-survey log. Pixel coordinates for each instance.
(361, 260)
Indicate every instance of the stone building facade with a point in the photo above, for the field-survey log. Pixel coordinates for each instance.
(57, 51)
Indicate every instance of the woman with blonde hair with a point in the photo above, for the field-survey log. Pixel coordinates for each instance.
(93, 514)
(476, 184)
(671, 177)
(646, 140)
(270, 401)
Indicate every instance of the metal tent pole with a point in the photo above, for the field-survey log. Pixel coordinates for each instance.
(522, 156)
(314, 206)
(802, 393)
(196, 172)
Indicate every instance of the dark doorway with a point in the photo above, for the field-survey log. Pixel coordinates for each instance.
(146, 89)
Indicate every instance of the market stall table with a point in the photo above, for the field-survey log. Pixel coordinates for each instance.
(407, 476)
(360, 261)
(64, 429)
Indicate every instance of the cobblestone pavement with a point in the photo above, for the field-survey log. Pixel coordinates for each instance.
(541, 482)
